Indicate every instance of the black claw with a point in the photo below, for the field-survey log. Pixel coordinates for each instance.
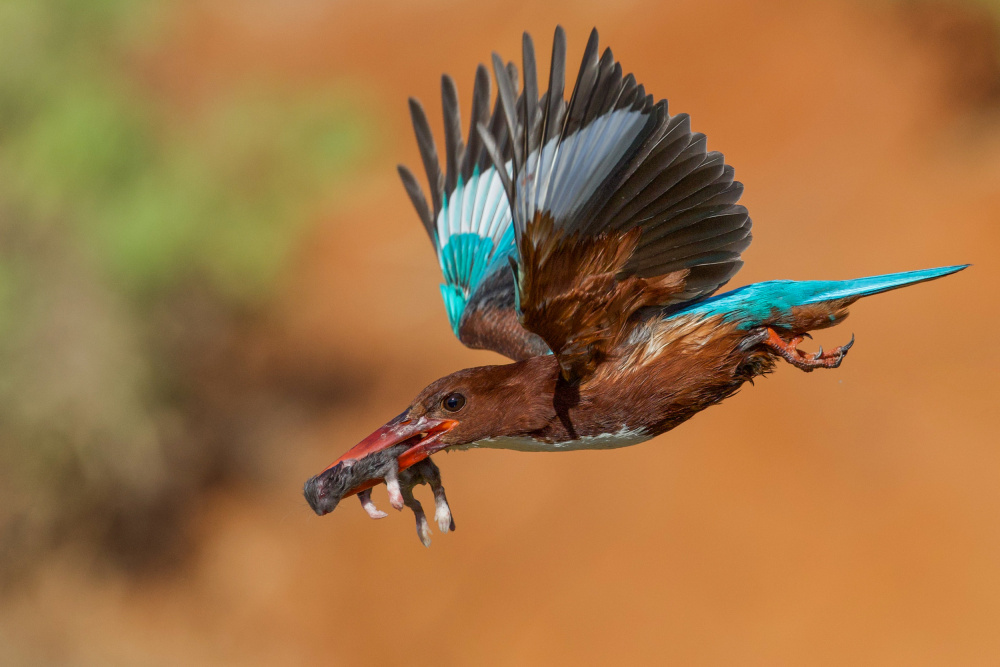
(846, 347)
(807, 335)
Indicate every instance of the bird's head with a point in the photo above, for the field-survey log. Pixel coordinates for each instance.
(459, 409)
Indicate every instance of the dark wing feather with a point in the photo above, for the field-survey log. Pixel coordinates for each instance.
(428, 151)
(469, 218)
(622, 209)
(453, 148)
(474, 154)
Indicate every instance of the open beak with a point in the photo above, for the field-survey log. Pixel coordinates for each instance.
(422, 436)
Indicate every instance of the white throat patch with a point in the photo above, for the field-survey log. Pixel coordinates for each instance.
(625, 437)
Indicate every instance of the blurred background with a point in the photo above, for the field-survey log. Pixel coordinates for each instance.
(212, 284)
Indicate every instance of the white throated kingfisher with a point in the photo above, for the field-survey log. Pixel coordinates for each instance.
(584, 240)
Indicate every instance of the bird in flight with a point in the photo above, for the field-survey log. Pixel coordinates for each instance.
(585, 240)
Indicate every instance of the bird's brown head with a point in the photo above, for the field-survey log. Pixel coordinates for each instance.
(459, 409)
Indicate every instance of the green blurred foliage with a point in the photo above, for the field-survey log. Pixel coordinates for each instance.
(83, 144)
(112, 204)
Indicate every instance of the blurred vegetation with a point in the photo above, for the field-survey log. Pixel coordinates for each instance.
(129, 237)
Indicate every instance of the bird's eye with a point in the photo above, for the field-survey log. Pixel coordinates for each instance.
(453, 402)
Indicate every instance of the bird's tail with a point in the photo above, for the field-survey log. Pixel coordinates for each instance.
(818, 291)
(805, 304)
(780, 313)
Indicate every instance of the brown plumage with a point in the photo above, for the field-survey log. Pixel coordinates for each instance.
(574, 296)
(675, 370)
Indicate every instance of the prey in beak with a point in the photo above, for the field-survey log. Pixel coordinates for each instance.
(397, 454)
(458, 410)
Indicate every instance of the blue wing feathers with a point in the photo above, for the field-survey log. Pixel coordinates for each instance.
(610, 159)
(475, 235)
(754, 304)
(468, 218)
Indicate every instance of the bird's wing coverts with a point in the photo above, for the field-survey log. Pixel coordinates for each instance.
(469, 219)
(617, 205)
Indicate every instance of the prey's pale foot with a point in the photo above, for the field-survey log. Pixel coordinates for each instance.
(807, 362)
(442, 515)
(442, 512)
(395, 492)
(366, 501)
(425, 472)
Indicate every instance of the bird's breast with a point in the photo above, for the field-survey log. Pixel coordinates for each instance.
(624, 437)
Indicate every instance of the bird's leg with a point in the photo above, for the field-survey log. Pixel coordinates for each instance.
(788, 351)
(423, 529)
(442, 512)
(366, 501)
(392, 484)
(756, 337)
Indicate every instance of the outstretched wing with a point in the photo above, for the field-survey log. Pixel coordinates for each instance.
(470, 223)
(617, 205)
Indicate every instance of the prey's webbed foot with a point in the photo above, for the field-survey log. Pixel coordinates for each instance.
(806, 362)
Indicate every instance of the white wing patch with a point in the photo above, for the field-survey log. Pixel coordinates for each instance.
(474, 235)
(478, 207)
(562, 176)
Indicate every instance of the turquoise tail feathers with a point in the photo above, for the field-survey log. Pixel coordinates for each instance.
(761, 302)
(859, 287)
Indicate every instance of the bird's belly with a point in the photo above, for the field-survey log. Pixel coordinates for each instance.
(623, 438)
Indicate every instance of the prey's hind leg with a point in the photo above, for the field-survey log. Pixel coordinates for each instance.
(423, 529)
(442, 512)
(789, 352)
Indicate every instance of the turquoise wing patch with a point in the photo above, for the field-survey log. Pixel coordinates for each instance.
(475, 236)
(468, 217)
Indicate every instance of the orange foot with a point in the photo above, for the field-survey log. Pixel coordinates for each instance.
(799, 359)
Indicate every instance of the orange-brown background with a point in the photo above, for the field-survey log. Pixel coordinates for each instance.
(846, 517)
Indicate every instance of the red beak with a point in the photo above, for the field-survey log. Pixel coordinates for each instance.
(422, 434)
